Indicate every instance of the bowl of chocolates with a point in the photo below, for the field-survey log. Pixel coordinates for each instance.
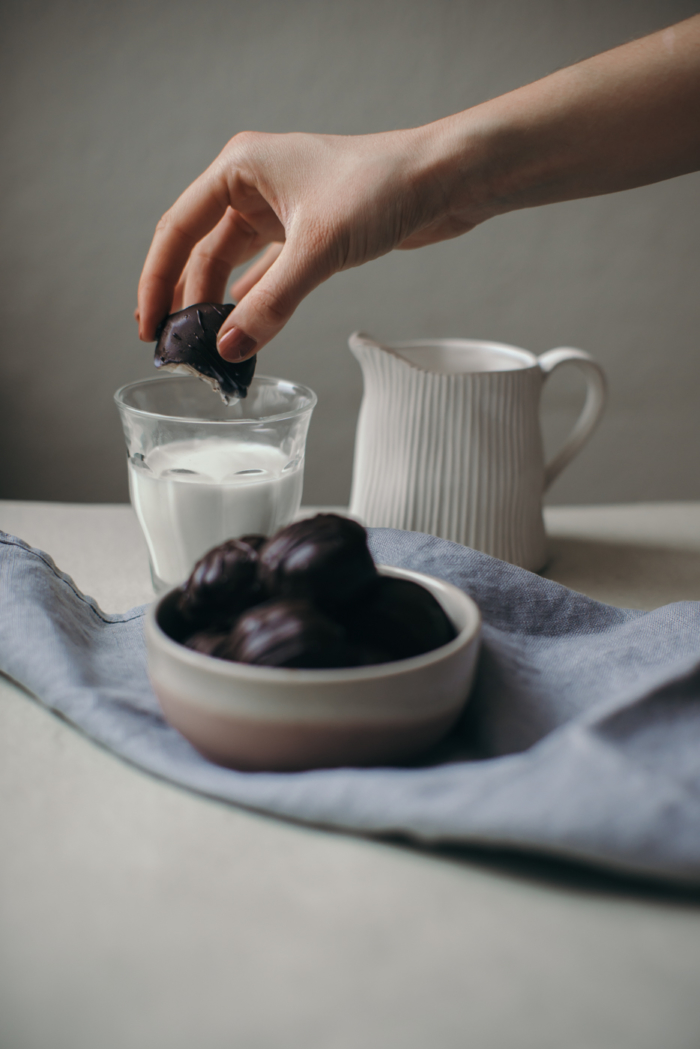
(297, 652)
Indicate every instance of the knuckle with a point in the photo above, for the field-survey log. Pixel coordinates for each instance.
(167, 224)
(244, 138)
(164, 222)
(245, 142)
(271, 309)
(210, 262)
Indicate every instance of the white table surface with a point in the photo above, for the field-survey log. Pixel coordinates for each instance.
(135, 914)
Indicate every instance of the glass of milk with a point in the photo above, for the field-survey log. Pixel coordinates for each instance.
(201, 471)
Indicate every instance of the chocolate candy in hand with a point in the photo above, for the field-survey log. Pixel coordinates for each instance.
(187, 343)
(288, 634)
(398, 617)
(223, 584)
(324, 559)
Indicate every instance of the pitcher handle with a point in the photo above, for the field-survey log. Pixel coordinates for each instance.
(590, 413)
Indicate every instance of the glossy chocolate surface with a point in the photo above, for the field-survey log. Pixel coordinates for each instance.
(208, 643)
(309, 597)
(288, 634)
(324, 559)
(187, 342)
(254, 540)
(223, 584)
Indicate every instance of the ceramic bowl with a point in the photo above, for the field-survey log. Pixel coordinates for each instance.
(274, 718)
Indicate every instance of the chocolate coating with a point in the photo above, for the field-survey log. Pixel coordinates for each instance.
(187, 342)
(288, 634)
(324, 559)
(256, 541)
(399, 617)
(223, 584)
(308, 597)
(208, 643)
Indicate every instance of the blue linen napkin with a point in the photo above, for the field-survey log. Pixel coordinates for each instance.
(582, 739)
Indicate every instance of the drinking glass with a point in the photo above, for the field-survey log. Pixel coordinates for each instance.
(201, 471)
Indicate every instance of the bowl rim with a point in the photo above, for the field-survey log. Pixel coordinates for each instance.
(326, 676)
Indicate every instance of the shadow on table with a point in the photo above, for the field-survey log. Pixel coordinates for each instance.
(612, 572)
(574, 875)
(558, 873)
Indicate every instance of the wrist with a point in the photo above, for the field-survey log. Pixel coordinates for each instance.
(465, 167)
(625, 118)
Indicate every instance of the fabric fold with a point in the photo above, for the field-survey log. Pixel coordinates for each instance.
(581, 740)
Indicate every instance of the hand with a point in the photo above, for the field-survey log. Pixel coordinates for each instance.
(324, 203)
(319, 203)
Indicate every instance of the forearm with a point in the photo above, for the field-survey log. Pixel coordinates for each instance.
(624, 118)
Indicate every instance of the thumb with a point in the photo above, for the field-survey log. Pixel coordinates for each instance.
(269, 304)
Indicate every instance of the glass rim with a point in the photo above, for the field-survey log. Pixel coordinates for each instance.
(269, 379)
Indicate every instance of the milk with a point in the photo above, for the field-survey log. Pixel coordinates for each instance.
(192, 495)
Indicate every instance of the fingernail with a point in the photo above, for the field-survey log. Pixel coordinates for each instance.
(235, 345)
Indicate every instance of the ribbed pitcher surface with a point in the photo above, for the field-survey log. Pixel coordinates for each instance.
(449, 442)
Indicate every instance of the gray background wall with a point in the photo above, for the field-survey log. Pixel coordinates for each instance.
(111, 108)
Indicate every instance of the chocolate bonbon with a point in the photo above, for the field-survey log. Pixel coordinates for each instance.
(209, 643)
(289, 634)
(310, 597)
(187, 343)
(254, 540)
(324, 559)
(223, 584)
(399, 617)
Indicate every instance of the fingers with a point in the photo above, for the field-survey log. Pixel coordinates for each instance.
(179, 293)
(191, 217)
(272, 299)
(252, 275)
(232, 242)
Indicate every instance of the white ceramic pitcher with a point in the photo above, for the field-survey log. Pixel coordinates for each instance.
(449, 441)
